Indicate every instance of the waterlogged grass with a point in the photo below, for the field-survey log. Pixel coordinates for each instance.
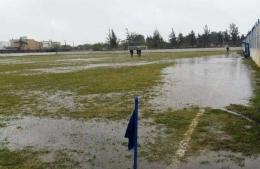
(20, 159)
(101, 80)
(220, 131)
(16, 89)
(127, 81)
(108, 93)
(216, 131)
(29, 159)
(162, 56)
(175, 124)
(253, 109)
(26, 63)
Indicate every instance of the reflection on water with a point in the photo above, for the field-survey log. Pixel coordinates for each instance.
(211, 81)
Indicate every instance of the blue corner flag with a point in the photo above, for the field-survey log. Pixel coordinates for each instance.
(132, 132)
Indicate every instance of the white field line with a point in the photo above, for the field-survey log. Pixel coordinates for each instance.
(184, 144)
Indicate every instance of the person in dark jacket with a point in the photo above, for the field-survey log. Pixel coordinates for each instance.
(227, 48)
(131, 52)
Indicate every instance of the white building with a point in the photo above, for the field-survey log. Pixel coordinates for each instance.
(4, 45)
(50, 44)
(46, 44)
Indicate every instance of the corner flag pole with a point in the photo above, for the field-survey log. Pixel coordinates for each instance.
(136, 134)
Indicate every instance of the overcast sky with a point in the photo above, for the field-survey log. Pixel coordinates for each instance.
(88, 21)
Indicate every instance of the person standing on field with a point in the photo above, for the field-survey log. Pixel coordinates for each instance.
(131, 52)
(227, 48)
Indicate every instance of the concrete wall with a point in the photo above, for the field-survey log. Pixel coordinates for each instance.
(255, 55)
(253, 38)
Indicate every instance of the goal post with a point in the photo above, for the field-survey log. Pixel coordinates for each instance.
(137, 47)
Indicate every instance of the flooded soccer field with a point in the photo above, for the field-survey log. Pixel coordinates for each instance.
(71, 110)
(212, 82)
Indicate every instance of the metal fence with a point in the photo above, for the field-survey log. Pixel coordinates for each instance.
(253, 40)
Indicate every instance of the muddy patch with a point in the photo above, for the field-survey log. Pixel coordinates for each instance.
(95, 143)
(211, 81)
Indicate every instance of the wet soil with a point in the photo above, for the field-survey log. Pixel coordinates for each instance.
(95, 143)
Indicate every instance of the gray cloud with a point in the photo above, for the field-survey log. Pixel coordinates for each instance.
(88, 21)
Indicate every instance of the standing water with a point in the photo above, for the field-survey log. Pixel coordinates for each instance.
(206, 82)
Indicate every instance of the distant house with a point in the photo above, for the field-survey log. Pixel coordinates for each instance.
(50, 44)
(46, 44)
(23, 43)
(4, 45)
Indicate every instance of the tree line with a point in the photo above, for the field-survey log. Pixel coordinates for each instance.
(207, 38)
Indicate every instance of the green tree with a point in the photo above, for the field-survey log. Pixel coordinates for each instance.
(135, 39)
(226, 37)
(242, 37)
(155, 41)
(192, 38)
(199, 40)
(220, 36)
(234, 33)
(180, 40)
(112, 39)
(149, 41)
(213, 38)
(205, 36)
(173, 39)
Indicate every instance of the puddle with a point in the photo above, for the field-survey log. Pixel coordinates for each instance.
(65, 60)
(80, 60)
(68, 69)
(68, 65)
(85, 139)
(210, 81)
(221, 160)
(14, 61)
